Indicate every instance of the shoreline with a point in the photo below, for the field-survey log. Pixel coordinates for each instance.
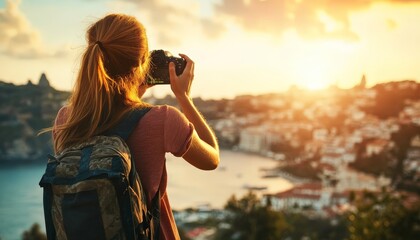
(268, 172)
(285, 175)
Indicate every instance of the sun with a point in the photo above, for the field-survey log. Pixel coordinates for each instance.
(315, 76)
(314, 86)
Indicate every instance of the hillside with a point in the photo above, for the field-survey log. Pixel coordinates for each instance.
(24, 111)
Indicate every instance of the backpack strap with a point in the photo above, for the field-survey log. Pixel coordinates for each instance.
(155, 214)
(124, 130)
(127, 125)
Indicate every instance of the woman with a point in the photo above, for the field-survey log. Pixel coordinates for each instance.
(110, 84)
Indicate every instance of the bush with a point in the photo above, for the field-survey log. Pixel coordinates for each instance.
(34, 233)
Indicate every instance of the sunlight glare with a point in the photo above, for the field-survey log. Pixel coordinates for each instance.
(315, 74)
(329, 23)
(316, 86)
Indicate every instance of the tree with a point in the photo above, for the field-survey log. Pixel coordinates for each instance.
(402, 139)
(391, 98)
(305, 226)
(250, 220)
(34, 233)
(383, 216)
(382, 163)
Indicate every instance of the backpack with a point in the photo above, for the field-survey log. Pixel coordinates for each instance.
(92, 190)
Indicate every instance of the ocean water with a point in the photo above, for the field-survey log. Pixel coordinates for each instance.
(21, 197)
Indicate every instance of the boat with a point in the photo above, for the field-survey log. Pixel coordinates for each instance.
(255, 188)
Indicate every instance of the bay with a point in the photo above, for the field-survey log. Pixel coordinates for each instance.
(236, 173)
(21, 197)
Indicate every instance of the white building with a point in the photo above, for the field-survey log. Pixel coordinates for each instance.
(412, 163)
(257, 139)
(311, 195)
(349, 180)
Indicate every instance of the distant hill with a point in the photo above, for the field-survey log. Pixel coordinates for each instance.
(24, 111)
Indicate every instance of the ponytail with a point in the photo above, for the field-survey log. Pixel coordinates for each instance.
(104, 92)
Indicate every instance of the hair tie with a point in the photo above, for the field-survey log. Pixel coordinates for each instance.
(100, 45)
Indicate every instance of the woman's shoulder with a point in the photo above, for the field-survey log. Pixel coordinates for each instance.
(61, 115)
(164, 111)
(63, 110)
(164, 115)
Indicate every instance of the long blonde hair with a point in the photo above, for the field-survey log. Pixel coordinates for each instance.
(113, 66)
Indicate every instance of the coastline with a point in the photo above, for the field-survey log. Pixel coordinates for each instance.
(268, 172)
(276, 173)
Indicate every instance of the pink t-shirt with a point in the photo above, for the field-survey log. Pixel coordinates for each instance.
(163, 129)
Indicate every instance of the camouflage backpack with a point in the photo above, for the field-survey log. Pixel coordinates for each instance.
(92, 190)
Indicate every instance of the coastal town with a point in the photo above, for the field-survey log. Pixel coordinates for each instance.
(332, 144)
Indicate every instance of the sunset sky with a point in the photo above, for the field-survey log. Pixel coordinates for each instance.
(239, 46)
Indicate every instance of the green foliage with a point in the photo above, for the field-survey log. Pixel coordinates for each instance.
(390, 162)
(34, 233)
(383, 216)
(303, 227)
(377, 164)
(402, 139)
(377, 216)
(250, 220)
(390, 99)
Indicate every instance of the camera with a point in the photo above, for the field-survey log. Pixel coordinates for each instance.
(159, 67)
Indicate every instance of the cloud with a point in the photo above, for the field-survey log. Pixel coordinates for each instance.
(18, 38)
(172, 20)
(311, 19)
(213, 29)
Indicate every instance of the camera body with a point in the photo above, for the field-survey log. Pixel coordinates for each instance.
(159, 67)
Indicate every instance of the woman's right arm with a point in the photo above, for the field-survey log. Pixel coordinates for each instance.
(203, 152)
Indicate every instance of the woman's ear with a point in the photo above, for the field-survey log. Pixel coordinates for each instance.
(143, 88)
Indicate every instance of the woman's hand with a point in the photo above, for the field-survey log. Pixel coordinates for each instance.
(181, 85)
